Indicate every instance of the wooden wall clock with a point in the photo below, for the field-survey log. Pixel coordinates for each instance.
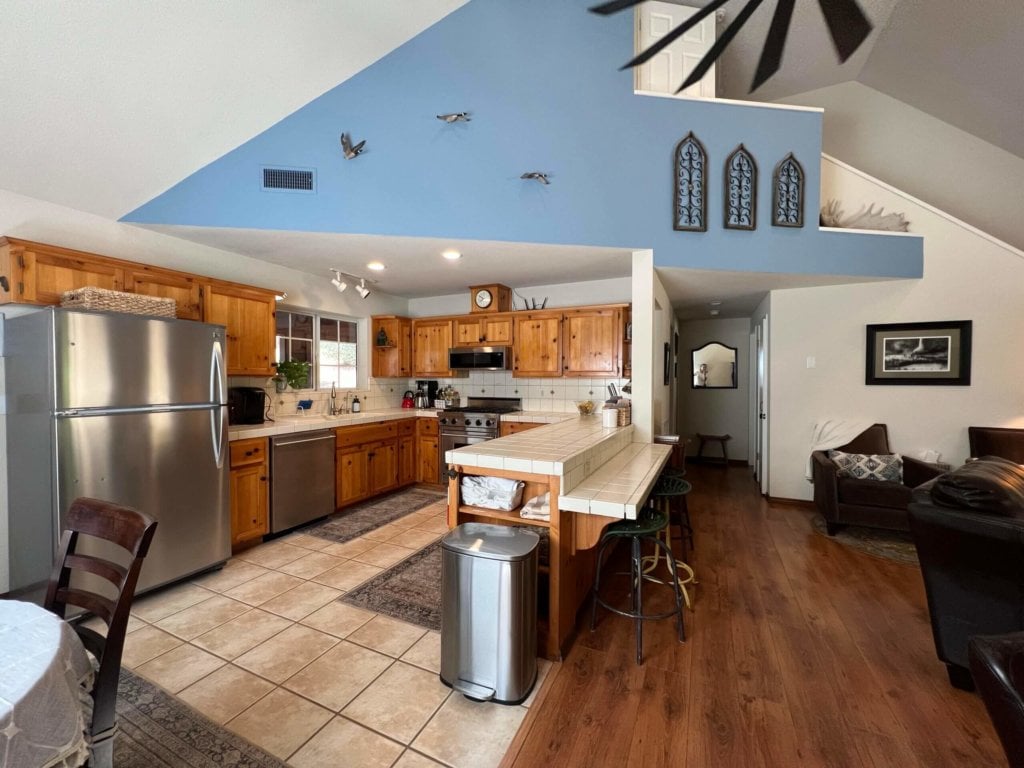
(490, 298)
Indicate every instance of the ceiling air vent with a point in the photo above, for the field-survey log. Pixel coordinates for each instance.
(289, 179)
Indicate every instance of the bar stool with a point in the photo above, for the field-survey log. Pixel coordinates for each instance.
(669, 496)
(646, 527)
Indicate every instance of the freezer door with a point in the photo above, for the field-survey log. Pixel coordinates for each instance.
(164, 464)
(113, 360)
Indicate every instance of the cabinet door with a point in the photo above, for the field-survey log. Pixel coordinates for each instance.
(393, 359)
(537, 345)
(426, 459)
(352, 482)
(483, 330)
(248, 316)
(469, 331)
(406, 460)
(383, 466)
(515, 427)
(497, 330)
(248, 503)
(431, 341)
(184, 289)
(591, 340)
(46, 274)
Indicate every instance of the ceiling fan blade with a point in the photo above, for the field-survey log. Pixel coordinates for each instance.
(674, 35)
(771, 54)
(716, 50)
(847, 24)
(614, 6)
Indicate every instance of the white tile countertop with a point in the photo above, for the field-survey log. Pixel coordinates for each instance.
(295, 423)
(620, 486)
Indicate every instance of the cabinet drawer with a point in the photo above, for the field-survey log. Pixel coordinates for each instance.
(249, 451)
(406, 427)
(426, 426)
(366, 433)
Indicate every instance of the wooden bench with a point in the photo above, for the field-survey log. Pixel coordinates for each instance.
(722, 440)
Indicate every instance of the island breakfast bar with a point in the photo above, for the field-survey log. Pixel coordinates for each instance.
(595, 476)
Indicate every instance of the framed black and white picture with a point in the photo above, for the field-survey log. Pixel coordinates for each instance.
(937, 353)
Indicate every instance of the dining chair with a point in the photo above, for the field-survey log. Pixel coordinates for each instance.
(132, 531)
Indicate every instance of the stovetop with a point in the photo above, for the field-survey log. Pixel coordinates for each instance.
(488, 406)
(478, 409)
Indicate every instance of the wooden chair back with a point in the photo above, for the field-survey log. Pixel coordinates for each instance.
(131, 531)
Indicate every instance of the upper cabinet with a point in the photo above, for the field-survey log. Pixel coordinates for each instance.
(537, 345)
(391, 340)
(34, 273)
(184, 289)
(432, 338)
(248, 316)
(592, 342)
(483, 330)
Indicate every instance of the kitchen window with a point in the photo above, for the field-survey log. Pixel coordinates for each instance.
(328, 343)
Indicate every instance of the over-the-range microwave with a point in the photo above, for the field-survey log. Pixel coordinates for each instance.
(480, 358)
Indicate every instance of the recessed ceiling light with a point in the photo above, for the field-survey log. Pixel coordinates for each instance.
(715, 303)
(451, 255)
(376, 266)
(714, 311)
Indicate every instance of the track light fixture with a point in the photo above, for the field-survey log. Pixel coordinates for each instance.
(339, 282)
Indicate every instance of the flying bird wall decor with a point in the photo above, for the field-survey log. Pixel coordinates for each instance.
(455, 117)
(536, 176)
(351, 150)
(847, 24)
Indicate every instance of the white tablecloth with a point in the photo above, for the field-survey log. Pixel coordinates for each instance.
(45, 675)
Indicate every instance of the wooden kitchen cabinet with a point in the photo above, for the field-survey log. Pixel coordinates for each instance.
(184, 289)
(432, 339)
(250, 501)
(38, 274)
(248, 315)
(374, 458)
(393, 359)
(483, 330)
(537, 344)
(406, 452)
(592, 342)
(352, 481)
(515, 427)
(427, 450)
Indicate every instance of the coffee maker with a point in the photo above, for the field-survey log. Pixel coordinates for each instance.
(426, 392)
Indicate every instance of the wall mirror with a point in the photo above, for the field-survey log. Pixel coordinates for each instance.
(714, 366)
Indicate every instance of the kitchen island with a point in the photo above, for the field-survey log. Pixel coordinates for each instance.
(594, 475)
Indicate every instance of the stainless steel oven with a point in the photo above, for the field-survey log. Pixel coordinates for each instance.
(475, 423)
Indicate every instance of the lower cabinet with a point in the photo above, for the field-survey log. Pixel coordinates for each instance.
(426, 450)
(250, 501)
(374, 458)
(514, 427)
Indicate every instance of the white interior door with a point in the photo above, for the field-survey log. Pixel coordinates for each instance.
(761, 462)
(666, 72)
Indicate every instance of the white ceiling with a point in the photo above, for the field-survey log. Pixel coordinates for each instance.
(108, 103)
(414, 265)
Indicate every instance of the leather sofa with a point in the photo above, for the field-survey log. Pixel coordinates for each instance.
(997, 664)
(968, 526)
(873, 503)
(997, 441)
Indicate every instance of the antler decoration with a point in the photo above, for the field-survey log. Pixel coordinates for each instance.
(847, 25)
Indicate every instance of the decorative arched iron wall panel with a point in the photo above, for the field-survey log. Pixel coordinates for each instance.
(690, 204)
(740, 190)
(788, 193)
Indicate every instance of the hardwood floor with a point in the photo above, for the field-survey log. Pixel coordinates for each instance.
(800, 652)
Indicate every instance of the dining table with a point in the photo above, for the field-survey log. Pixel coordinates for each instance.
(45, 678)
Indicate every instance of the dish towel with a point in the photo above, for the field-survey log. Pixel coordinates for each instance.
(831, 433)
(537, 508)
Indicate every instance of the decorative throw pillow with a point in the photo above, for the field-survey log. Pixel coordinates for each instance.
(887, 467)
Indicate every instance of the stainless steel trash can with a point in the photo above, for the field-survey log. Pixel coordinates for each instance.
(489, 611)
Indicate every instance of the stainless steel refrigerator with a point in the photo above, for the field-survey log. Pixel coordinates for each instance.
(119, 407)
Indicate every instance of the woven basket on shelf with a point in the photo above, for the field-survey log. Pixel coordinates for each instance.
(117, 301)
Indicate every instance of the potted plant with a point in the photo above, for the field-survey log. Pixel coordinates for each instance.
(295, 372)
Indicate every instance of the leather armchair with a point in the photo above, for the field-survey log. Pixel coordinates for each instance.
(997, 664)
(873, 503)
(997, 441)
(968, 526)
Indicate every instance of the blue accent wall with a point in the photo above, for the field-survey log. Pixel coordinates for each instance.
(541, 80)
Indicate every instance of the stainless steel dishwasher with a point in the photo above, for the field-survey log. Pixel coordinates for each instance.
(301, 478)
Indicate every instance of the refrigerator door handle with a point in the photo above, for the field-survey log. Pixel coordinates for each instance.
(218, 385)
(217, 434)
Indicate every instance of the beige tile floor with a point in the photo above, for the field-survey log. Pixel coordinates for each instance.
(264, 648)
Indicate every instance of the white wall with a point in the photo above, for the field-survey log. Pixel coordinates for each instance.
(967, 276)
(715, 411)
(609, 291)
(652, 329)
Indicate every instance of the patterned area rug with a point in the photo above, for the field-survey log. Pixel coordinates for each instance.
(890, 545)
(409, 591)
(155, 730)
(357, 520)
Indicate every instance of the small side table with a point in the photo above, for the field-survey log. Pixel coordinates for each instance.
(722, 440)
